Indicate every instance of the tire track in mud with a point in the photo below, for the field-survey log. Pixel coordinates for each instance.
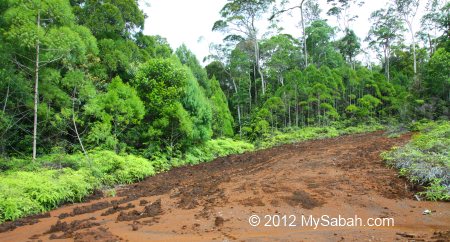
(212, 201)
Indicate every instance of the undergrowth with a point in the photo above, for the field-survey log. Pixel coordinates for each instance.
(28, 187)
(425, 160)
(308, 133)
(33, 187)
(208, 151)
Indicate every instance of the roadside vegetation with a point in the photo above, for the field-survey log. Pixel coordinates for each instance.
(28, 188)
(425, 160)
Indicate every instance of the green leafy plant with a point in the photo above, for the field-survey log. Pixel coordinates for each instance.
(436, 191)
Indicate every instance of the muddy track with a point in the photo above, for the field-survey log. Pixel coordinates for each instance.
(213, 201)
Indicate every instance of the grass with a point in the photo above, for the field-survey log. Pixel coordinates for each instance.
(425, 160)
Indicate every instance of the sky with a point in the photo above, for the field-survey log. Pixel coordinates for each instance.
(190, 22)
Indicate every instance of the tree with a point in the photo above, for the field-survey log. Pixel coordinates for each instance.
(222, 120)
(309, 12)
(408, 10)
(280, 53)
(153, 46)
(368, 103)
(114, 111)
(341, 10)
(239, 18)
(189, 59)
(436, 21)
(177, 111)
(437, 77)
(319, 43)
(43, 33)
(349, 46)
(117, 58)
(385, 30)
(111, 18)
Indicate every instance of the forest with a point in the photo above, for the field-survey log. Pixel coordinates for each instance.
(88, 101)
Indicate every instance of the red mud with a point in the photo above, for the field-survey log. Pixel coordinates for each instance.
(213, 201)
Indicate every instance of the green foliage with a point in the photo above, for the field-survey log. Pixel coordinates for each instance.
(110, 18)
(222, 120)
(308, 133)
(153, 46)
(105, 84)
(23, 193)
(190, 60)
(318, 40)
(349, 45)
(197, 105)
(207, 151)
(437, 79)
(40, 188)
(177, 110)
(113, 111)
(436, 191)
(426, 159)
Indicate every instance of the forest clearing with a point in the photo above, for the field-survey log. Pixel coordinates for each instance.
(213, 201)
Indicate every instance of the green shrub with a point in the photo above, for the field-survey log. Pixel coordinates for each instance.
(24, 192)
(296, 135)
(425, 160)
(41, 187)
(210, 150)
(435, 191)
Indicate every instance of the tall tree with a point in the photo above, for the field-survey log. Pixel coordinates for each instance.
(322, 50)
(110, 18)
(239, 19)
(349, 46)
(341, 9)
(408, 11)
(309, 12)
(42, 33)
(114, 111)
(435, 23)
(385, 30)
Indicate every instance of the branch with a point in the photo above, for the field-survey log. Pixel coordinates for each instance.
(51, 61)
(285, 10)
(21, 66)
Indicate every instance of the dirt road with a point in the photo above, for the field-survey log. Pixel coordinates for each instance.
(213, 201)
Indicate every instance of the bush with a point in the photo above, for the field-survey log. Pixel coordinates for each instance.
(24, 192)
(308, 133)
(206, 152)
(425, 160)
(41, 187)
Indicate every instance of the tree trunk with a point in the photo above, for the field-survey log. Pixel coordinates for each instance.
(386, 60)
(263, 87)
(75, 125)
(6, 98)
(296, 108)
(36, 88)
(304, 34)
(78, 135)
(238, 107)
(413, 38)
(250, 93)
(239, 120)
(256, 92)
(431, 45)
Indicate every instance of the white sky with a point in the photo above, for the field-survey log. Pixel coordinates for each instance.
(190, 22)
